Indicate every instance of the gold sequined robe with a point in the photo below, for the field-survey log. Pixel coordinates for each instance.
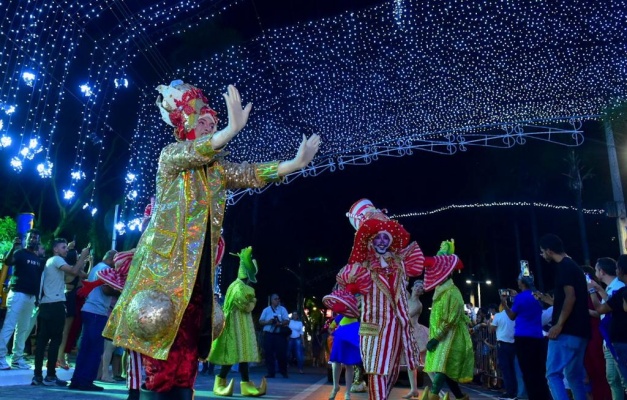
(237, 343)
(192, 179)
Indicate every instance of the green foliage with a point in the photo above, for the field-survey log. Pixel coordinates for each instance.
(8, 231)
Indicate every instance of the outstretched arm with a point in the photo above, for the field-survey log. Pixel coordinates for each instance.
(306, 152)
(238, 117)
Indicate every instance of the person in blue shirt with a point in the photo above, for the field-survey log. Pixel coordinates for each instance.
(531, 346)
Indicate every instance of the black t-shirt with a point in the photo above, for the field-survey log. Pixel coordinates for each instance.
(568, 273)
(27, 269)
(618, 325)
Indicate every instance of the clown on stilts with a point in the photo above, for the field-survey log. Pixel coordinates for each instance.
(237, 344)
(166, 309)
(381, 260)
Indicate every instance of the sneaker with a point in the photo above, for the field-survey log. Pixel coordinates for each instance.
(4, 365)
(52, 380)
(37, 381)
(20, 364)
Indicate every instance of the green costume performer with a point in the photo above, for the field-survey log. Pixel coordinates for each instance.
(237, 343)
(450, 355)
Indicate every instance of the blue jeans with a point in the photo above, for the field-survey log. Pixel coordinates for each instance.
(296, 350)
(621, 358)
(565, 357)
(90, 349)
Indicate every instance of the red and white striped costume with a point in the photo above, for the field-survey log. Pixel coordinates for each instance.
(134, 371)
(385, 331)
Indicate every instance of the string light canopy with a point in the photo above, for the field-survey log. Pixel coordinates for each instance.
(405, 75)
(437, 76)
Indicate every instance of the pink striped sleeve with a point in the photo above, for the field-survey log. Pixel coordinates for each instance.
(413, 259)
(355, 275)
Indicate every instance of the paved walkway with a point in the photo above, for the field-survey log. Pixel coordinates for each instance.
(312, 385)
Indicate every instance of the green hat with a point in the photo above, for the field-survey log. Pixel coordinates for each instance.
(247, 265)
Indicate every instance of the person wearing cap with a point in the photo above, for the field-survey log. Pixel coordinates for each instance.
(345, 348)
(166, 309)
(529, 342)
(237, 344)
(450, 356)
(381, 260)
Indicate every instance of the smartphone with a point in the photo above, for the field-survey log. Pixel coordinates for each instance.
(588, 280)
(524, 264)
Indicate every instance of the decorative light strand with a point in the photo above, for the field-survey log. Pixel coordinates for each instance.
(497, 204)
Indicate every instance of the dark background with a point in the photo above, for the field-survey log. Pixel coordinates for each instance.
(288, 224)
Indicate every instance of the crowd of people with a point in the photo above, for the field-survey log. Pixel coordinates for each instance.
(156, 303)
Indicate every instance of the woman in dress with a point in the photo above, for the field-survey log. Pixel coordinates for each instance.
(345, 348)
(421, 334)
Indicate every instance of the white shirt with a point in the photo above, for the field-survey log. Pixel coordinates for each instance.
(269, 313)
(612, 287)
(53, 281)
(297, 329)
(504, 327)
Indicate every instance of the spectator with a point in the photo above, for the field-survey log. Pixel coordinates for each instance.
(296, 341)
(24, 284)
(272, 319)
(506, 351)
(615, 305)
(570, 328)
(594, 360)
(51, 317)
(529, 341)
(71, 286)
(94, 313)
(606, 273)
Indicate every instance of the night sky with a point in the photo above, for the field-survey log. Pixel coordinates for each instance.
(288, 224)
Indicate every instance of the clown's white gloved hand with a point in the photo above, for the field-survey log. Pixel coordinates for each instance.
(238, 117)
(306, 152)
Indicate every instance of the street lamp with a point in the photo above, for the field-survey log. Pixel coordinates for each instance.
(470, 282)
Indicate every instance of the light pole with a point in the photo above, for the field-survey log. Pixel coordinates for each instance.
(470, 282)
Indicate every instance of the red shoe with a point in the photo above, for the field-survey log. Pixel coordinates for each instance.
(63, 365)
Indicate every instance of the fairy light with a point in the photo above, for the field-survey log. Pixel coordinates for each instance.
(28, 78)
(497, 204)
(68, 194)
(45, 169)
(406, 75)
(5, 141)
(385, 80)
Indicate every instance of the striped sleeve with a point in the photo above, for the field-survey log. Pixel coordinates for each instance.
(355, 275)
(413, 259)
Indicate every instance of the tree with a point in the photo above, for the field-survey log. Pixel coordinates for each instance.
(8, 231)
(576, 175)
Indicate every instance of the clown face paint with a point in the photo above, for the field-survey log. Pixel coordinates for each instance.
(381, 242)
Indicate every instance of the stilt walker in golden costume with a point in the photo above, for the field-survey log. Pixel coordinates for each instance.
(237, 344)
(166, 309)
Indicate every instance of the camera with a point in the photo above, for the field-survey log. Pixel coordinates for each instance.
(276, 319)
(504, 292)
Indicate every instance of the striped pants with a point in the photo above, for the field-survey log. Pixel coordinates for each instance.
(380, 386)
(134, 371)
